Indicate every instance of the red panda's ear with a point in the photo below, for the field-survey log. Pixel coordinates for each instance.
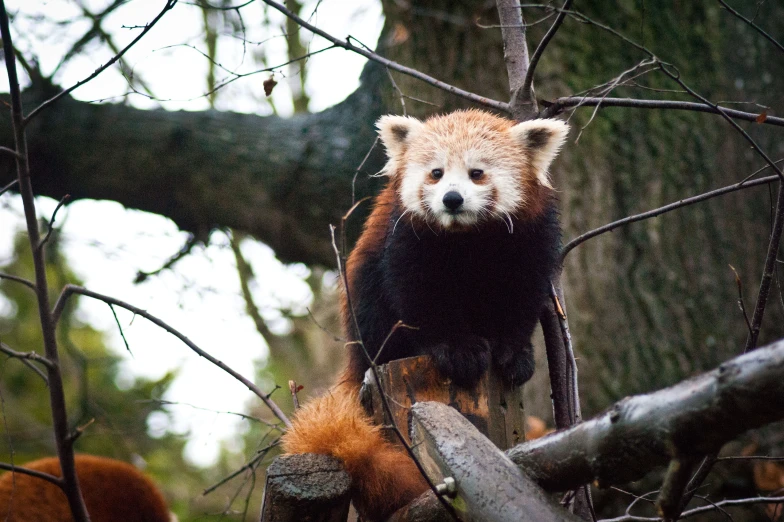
(395, 131)
(541, 140)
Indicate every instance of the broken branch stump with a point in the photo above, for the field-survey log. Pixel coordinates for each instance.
(496, 411)
(306, 488)
(487, 486)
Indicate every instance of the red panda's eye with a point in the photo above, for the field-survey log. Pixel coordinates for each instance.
(476, 173)
(436, 173)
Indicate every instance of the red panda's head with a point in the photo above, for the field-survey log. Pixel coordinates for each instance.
(467, 167)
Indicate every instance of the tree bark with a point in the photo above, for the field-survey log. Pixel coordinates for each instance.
(687, 421)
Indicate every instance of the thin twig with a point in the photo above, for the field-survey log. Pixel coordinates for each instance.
(119, 327)
(556, 107)
(741, 304)
(250, 465)
(244, 416)
(169, 4)
(8, 187)
(73, 289)
(755, 26)
(751, 457)
(662, 210)
(51, 221)
(29, 284)
(702, 509)
(399, 324)
(57, 481)
(13, 154)
(529, 76)
(345, 44)
(25, 358)
(184, 251)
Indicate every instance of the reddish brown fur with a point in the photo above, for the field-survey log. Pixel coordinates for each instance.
(384, 478)
(113, 491)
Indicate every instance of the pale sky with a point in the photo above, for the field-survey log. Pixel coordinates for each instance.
(107, 244)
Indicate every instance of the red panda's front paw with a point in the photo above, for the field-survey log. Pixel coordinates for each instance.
(462, 359)
(514, 362)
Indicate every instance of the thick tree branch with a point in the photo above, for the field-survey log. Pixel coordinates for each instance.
(281, 180)
(645, 431)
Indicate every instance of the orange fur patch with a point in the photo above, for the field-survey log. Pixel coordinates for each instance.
(383, 476)
(113, 491)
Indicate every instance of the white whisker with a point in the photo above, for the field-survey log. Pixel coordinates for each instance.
(511, 224)
(398, 220)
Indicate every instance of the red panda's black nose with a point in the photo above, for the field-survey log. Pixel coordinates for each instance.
(453, 200)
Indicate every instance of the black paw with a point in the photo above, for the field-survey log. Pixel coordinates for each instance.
(514, 362)
(464, 359)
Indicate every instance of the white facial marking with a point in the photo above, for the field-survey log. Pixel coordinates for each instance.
(511, 159)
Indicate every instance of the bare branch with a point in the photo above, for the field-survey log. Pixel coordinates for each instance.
(741, 304)
(63, 201)
(10, 185)
(29, 284)
(751, 23)
(25, 359)
(703, 509)
(662, 210)
(251, 465)
(169, 4)
(644, 431)
(69, 482)
(345, 44)
(184, 251)
(13, 154)
(57, 481)
(73, 289)
(556, 107)
(529, 75)
(522, 103)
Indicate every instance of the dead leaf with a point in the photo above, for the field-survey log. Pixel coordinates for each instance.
(762, 117)
(269, 84)
(399, 34)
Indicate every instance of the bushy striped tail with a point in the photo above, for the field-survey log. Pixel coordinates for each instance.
(384, 478)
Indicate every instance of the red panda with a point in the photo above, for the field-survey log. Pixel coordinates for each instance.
(461, 245)
(113, 491)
